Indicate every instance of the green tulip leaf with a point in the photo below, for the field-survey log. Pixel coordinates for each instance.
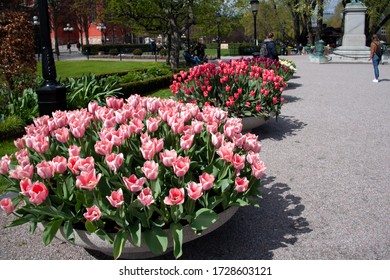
(203, 219)
(51, 230)
(177, 234)
(90, 227)
(119, 243)
(135, 233)
(157, 240)
(68, 231)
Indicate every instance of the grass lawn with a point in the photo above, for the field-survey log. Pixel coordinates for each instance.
(76, 68)
(162, 93)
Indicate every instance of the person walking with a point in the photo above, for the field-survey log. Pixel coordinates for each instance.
(375, 56)
(271, 47)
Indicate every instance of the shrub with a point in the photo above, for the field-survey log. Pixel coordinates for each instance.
(137, 52)
(23, 105)
(163, 52)
(12, 126)
(113, 51)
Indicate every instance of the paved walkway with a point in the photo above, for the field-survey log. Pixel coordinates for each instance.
(326, 191)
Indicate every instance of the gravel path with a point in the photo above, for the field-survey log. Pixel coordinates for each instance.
(326, 192)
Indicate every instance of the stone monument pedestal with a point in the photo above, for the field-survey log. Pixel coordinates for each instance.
(354, 47)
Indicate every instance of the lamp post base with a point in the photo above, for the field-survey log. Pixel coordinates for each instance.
(51, 97)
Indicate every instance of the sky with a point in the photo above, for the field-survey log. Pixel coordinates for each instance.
(331, 4)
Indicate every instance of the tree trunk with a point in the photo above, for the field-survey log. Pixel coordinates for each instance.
(320, 17)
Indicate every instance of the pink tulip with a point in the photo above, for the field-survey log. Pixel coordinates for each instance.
(92, 107)
(19, 143)
(212, 127)
(25, 185)
(133, 183)
(146, 197)
(186, 141)
(139, 113)
(45, 169)
(181, 166)
(194, 190)
(7, 206)
(258, 169)
(88, 180)
(252, 157)
(217, 139)
(226, 151)
(41, 144)
(23, 157)
(158, 144)
(103, 147)
(197, 126)
(86, 164)
(114, 161)
(62, 134)
(252, 143)
(152, 124)
(241, 184)
(207, 181)
(175, 197)
(4, 164)
(74, 151)
(60, 118)
(136, 126)
(177, 125)
(93, 214)
(121, 116)
(239, 139)
(148, 150)
(238, 161)
(116, 137)
(150, 169)
(109, 121)
(113, 102)
(77, 127)
(21, 172)
(116, 198)
(73, 164)
(38, 193)
(168, 157)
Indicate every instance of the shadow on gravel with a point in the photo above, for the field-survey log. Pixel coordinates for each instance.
(253, 233)
(292, 86)
(290, 98)
(279, 129)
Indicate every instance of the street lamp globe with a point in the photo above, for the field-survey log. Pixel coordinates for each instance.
(35, 20)
(254, 6)
(68, 29)
(102, 28)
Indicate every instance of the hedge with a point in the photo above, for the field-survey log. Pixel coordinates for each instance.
(115, 49)
(146, 86)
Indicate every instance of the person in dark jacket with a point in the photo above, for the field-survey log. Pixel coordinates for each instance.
(271, 46)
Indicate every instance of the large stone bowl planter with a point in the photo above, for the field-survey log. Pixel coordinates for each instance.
(95, 243)
(249, 123)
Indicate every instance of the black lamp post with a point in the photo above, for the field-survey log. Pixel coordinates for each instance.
(102, 27)
(219, 36)
(68, 29)
(37, 41)
(51, 96)
(255, 8)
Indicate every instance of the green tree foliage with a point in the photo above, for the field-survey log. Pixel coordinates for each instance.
(172, 18)
(378, 14)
